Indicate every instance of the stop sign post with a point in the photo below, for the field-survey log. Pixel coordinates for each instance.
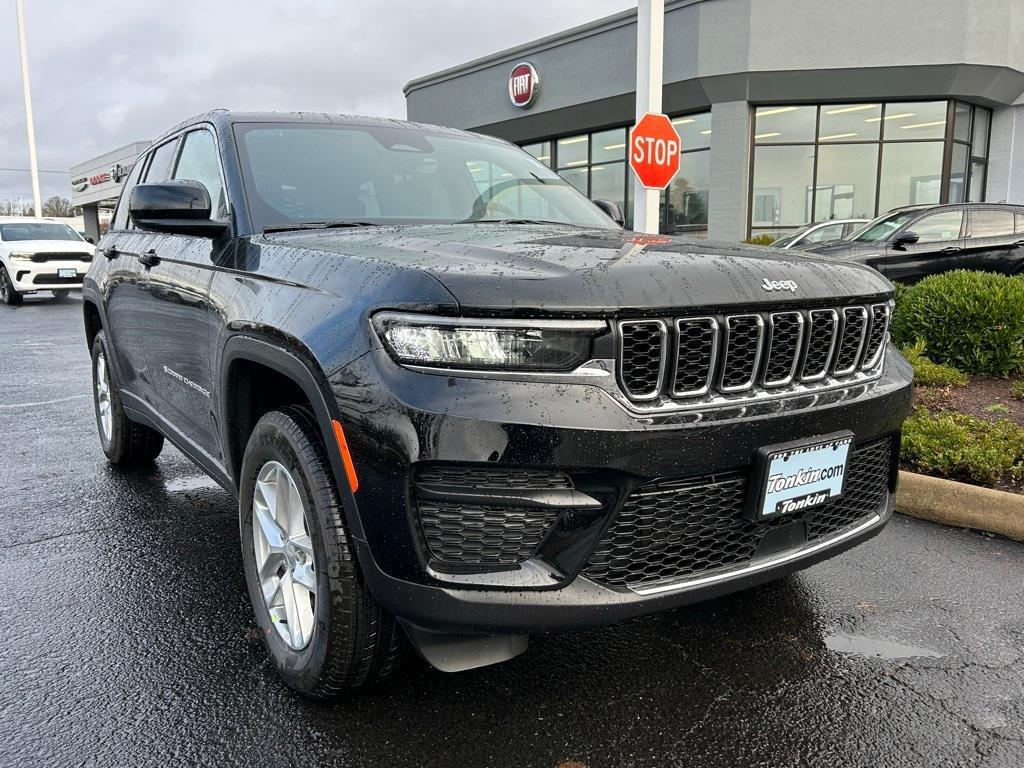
(654, 151)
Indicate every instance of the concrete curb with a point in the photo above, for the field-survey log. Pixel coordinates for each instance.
(965, 506)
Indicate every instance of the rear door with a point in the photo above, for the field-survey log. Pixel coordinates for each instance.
(179, 269)
(939, 247)
(992, 244)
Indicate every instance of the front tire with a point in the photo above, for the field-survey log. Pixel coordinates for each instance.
(325, 634)
(8, 295)
(125, 443)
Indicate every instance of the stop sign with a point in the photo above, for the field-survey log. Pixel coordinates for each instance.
(654, 151)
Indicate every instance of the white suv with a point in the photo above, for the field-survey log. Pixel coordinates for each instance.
(40, 255)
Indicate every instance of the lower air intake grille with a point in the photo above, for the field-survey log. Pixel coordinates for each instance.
(485, 516)
(483, 535)
(675, 529)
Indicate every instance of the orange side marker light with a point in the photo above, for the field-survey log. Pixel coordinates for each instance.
(346, 456)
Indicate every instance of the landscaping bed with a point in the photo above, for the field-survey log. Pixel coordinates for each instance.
(964, 334)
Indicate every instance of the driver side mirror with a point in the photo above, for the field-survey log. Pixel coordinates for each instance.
(902, 240)
(180, 207)
(612, 211)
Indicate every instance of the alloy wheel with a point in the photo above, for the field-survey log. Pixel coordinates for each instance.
(285, 566)
(4, 290)
(103, 404)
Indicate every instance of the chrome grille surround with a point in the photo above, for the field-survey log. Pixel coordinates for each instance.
(637, 371)
(780, 345)
(756, 355)
(742, 352)
(699, 336)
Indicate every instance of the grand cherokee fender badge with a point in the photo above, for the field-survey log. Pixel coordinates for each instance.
(779, 285)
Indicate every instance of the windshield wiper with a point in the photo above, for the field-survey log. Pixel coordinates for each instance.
(336, 224)
(517, 221)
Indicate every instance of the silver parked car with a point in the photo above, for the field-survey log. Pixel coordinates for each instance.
(819, 232)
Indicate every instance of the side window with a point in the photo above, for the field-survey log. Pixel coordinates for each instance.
(824, 234)
(199, 162)
(121, 214)
(938, 227)
(1020, 222)
(991, 223)
(160, 165)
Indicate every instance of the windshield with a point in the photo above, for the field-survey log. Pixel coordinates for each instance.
(36, 230)
(311, 174)
(882, 227)
(787, 239)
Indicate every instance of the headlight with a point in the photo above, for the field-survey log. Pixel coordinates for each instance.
(18, 256)
(527, 345)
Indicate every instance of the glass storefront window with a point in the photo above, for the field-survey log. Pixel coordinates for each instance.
(962, 121)
(775, 125)
(914, 120)
(694, 130)
(958, 173)
(608, 182)
(541, 150)
(686, 200)
(976, 192)
(982, 118)
(578, 177)
(782, 184)
(849, 122)
(911, 174)
(608, 146)
(847, 177)
(573, 151)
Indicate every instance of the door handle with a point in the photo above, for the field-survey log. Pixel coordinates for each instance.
(951, 249)
(149, 258)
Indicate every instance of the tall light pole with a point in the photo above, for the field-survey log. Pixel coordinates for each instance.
(32, 164)
(650, 33)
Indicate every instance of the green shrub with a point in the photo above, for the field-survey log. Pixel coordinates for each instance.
(761, 240)
(929, 374)
(1017, 390)
(973, 321)
(957, 445)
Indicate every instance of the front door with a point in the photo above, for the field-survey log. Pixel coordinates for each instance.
(179, 270)
(939, 248)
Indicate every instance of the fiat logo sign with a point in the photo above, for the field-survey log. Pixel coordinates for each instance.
(523, 84)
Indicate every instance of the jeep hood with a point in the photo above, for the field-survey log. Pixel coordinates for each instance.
(504, 268)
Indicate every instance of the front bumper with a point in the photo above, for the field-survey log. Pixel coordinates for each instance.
(399, 421)
(29, 276)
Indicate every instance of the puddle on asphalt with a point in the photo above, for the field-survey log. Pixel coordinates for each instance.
(871, 646)
(190, 483)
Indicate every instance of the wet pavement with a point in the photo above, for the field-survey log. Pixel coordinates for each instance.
(128, 638)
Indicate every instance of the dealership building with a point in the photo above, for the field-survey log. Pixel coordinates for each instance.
(789, 111)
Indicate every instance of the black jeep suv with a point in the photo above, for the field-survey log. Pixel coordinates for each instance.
(459, 404)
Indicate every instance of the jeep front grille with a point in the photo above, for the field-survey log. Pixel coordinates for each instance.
(692, 357)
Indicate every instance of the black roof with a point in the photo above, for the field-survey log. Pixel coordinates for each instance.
(222, 119)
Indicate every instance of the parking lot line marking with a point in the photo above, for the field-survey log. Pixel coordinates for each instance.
(12, 406)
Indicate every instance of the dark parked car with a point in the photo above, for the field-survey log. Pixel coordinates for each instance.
(457, 402)
(908, 244)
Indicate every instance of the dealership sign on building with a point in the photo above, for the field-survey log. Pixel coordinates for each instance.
(654, 151)
(523, 84)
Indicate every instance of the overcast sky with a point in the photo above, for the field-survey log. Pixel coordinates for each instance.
(108, 73)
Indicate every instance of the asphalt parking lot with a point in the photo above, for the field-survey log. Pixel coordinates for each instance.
(128, 638)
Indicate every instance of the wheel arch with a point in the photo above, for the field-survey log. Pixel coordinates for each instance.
(295, 377)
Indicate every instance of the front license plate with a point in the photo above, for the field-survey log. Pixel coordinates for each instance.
(70, 272)
(792, 477)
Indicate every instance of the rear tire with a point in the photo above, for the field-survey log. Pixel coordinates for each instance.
(126, 443)
(61, 294)
(8, 295)
(333, 639)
